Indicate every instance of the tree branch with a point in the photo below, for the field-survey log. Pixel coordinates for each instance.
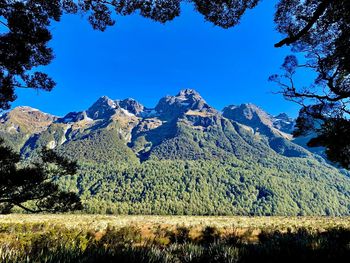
(26, 208)
(4, 24)
(319, 11)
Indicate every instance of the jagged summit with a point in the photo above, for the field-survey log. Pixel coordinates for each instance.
(188, 92)
(284, 123)
(105, 101)
(131, 106)
(174, 106)
(283, 116)
(103, 108)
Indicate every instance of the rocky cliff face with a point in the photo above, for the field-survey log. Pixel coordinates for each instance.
(284, 123)
(183, 126)
(132, 106)
(171, 107)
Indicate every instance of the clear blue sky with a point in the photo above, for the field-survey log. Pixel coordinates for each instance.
(146, 60)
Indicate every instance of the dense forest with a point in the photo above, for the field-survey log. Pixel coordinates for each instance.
(211, 187)
(182, 158)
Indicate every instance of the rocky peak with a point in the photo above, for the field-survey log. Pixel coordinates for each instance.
(103, 108)
(185, 100)
(105, 101)
(29, 113)
(131, 106)
(27, 119)
(284, 123)
(251, 115)
(283, 116)
(247, 114)
(188, 93)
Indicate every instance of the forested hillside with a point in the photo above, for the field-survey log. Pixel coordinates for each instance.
(183, 157)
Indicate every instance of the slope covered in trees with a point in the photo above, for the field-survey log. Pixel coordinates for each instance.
(183, 157)
(274, 186)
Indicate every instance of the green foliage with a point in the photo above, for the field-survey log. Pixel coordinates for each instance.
(33, 187)
(280, 186)
(125, 236)
(99, 146)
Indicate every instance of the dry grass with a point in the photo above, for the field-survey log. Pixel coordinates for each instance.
(100, 222)
(104, 238)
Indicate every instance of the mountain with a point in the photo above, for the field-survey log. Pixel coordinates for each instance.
(263, 124)
(283, 123)
(171, 107)
(132, 106)
(18, 125)
(183, 157)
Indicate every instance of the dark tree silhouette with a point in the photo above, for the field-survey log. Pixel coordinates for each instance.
(317, 29)
(23, 44)
(32, 186)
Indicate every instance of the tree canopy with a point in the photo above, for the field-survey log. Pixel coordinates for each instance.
(316, 29)
(320, 31)
(33, 187)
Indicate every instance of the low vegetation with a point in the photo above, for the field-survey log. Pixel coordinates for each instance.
(84, 238)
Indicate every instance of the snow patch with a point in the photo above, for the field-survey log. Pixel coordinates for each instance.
(51, 145)
(113, 105)
(65, 134)
(127, 113)
(13, 128)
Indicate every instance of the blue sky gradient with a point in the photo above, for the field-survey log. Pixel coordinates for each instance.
(145, 60)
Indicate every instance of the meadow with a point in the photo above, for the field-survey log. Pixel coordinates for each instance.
(105, 238)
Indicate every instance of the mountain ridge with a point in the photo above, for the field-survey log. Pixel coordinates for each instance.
(186, 108)
(182, 157)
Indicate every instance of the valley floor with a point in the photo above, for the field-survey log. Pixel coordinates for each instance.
(100, 222)
(173, 239)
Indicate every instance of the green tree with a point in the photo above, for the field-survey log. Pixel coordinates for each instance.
(33, 187)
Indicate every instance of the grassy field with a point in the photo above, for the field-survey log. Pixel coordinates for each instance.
(100, 222)
(104, 238)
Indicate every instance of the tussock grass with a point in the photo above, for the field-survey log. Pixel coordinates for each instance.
(175, 239)
(102, 221)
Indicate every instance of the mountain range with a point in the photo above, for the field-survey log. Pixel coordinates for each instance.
(183, 157)
(147, 131)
